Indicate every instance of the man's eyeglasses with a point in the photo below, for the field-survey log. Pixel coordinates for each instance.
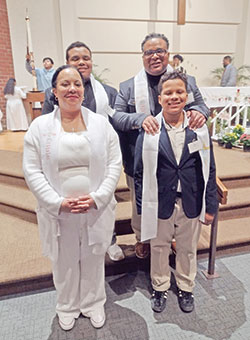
(160, 52)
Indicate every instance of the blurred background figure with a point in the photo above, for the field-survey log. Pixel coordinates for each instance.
(177, 60)
(16, 118)
(229, 76)
(44, 75)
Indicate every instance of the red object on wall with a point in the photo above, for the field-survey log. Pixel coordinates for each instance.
(6, 59)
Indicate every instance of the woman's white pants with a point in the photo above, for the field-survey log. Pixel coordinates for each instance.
(78, 274)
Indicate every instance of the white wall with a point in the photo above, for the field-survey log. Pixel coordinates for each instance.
(45, 30)
(114, 30)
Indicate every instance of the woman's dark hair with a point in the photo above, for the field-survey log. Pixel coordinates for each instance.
(172, 75)
(10, 86)
(55, 76)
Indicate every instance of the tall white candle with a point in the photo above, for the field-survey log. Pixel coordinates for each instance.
(29, 34)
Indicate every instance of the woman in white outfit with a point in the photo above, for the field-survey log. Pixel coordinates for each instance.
(16, 118)
(72, 164)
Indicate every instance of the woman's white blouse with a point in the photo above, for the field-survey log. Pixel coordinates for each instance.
(73, 164)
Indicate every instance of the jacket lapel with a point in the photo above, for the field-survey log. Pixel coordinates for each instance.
(166, 147)
(151, 100)
(190, 136)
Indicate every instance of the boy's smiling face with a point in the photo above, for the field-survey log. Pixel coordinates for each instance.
(173, 96)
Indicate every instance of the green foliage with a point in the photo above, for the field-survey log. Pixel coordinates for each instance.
(243, 75)
(229, 137)
(238, 130)
(245, 139)
(220, 125)
(99, 76)
(217, 73)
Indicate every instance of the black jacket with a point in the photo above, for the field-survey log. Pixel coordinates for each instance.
(189, 172)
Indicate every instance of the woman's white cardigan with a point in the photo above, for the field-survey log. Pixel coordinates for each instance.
(40, 166)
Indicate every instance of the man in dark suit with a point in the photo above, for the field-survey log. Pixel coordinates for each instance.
(79, 55)
(133, 111)
(98, 97)
(176, 190)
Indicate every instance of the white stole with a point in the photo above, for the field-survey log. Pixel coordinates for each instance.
(142, 103)
(98, 234)
(101, 98)
(150, 149)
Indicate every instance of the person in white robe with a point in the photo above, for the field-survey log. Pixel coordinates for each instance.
(72, 164)
(16, 117)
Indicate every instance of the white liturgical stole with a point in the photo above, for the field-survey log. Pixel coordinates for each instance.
(142, 103)
(150, 149)
(101, 98)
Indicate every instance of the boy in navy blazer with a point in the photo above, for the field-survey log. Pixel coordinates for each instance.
(175, 185)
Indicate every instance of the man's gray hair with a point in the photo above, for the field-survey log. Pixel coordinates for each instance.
(155, 35)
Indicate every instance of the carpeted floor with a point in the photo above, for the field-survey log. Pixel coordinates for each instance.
(20, 246)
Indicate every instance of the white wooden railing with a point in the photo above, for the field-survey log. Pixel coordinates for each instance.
(229, 105)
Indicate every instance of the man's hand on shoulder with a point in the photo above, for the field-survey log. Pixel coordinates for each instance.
(150, 125)
(196, 119)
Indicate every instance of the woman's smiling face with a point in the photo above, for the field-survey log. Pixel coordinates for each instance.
(69, 89)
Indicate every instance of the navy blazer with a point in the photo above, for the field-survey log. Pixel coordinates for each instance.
(127, 121)
(189, 172)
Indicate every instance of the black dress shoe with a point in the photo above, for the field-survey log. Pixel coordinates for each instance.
(158, 300)
(186, 301)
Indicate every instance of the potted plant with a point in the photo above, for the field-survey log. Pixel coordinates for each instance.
(220, 131)
(245, 140)
(238, 130)
(220, 141)
(229, 138)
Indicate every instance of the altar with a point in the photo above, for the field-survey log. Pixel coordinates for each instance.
(222, 96)
(229, 106)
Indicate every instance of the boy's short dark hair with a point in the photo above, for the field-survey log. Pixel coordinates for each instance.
(178, 56)
(172, 75)
(48, 58)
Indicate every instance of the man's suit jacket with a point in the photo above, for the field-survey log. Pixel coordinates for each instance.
(189, 172)
(48, 105)
(127, 121)
(229, 76)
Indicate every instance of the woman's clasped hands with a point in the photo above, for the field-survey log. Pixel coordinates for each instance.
(80, 205)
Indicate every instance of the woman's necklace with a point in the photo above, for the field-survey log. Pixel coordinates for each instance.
(75, 124)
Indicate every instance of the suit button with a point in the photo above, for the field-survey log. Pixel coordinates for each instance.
(173, 187)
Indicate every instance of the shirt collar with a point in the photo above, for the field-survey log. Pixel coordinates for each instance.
(183, 126)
